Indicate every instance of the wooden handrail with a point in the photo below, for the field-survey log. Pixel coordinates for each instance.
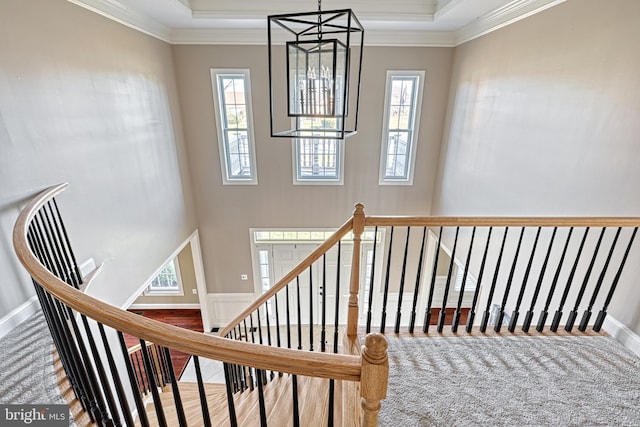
(470, 221)
(297, 270)
(297, 362)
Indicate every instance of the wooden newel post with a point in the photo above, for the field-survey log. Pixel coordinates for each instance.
(354, 287)
(374, 377)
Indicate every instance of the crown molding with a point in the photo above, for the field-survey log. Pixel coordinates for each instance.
(259, 37)
(506, 15)
(124, 15)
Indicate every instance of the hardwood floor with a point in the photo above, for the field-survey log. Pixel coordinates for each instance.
(188, 319)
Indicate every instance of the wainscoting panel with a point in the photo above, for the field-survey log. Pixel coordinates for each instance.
(223, 308)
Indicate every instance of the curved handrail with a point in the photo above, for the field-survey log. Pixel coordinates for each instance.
(296, 271)
(292, 361)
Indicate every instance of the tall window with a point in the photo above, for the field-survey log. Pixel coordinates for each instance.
(232, 99)
(167, 281)
(403, 99)
(318, 160)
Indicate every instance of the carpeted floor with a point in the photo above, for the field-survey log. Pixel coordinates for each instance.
(26, 365)
(511, 381)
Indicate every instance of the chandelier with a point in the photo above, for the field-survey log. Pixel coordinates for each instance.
(313, 72)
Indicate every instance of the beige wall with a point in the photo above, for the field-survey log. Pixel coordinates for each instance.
(86, 100)
(543, 120)
(188, 279)
(225, 213)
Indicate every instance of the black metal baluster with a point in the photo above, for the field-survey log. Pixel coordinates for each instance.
(456, 315)
(263, 411)
(558, 315)
(574, 313)
(250, 378)
(516, 311)
(323, 294)
(206, 417)
(76, 373)
(505, 297)
(310, 308)
(66, 237)
(385, 296)
(529, 315)
(233, 420)
(286, 288)
(242, 369)
(543, 315)
(182, 420)
(162, 421)
(296, 409)
(401, 289)
(122, 397)
(416, 288)
(603, 313)
(135, 388)
(427, 312)
(266, 309)
(337, 312)
(299, 313)
(587, 313)
(69, 272)
(443, 310)
(278, 341)
(371, 278)
(485, 315)
(101, 406)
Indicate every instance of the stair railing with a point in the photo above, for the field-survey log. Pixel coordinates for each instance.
(506, 269)
(87, 333)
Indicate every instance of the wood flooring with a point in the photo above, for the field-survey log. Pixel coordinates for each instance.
(183, 318)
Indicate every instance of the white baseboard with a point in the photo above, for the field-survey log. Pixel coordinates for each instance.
(223, 308)
(18, 315)
(621, 333)
(163, 306)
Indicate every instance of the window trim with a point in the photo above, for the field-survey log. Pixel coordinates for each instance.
(412, 144)
(222, 142)
(166, 292)
(320, 180)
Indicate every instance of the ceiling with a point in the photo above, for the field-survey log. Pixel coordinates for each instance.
(386, 22)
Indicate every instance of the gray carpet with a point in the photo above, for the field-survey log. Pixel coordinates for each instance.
(511, 381)
(26, 365)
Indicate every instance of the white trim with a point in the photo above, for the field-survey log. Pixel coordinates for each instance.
(201, 282)
(506, 15)
(510, 13)
(415, 128)
(18, 315)
(225, 307)
(622, 334)
(164, 306)
(222, 142)
(126, 16)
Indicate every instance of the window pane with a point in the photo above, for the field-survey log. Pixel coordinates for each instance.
(236, 147)
(318, 158)
(400, 122)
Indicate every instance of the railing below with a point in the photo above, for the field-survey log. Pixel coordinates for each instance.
(87, 333)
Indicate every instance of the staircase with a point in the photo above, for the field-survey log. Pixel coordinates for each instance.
(572, 266)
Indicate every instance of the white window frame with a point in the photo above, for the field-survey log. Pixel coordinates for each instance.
(298, 179)
(223, 145)
(413, 129)
(149, 291)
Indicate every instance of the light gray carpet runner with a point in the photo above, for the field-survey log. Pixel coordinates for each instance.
(26, 365)
(511, 381)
